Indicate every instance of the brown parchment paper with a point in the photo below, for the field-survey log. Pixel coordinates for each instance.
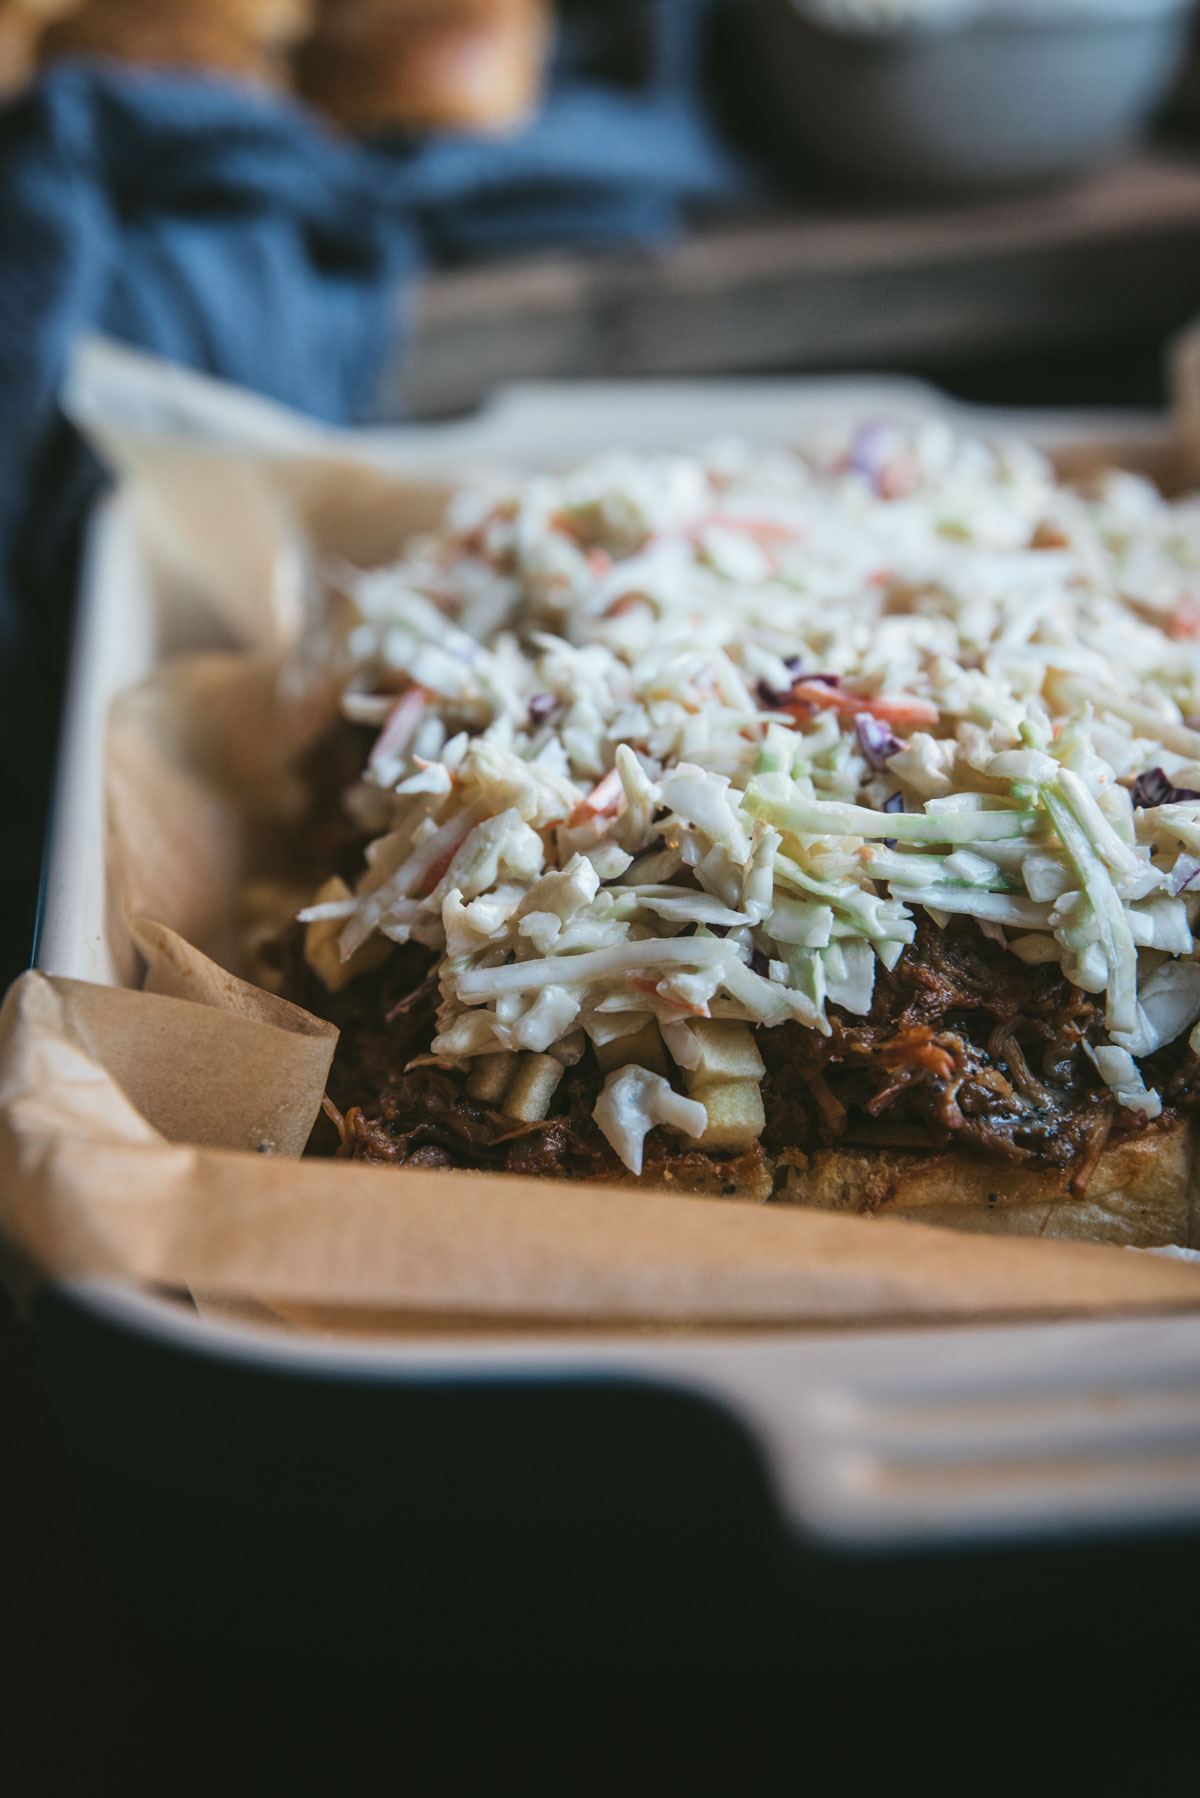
(154, 1134)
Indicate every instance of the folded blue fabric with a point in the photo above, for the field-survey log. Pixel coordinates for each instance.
(229, 229)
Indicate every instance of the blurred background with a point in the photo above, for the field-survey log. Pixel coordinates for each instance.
(997, 191)
(381, 209)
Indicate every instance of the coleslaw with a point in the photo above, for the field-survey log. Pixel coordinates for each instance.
(696, 740)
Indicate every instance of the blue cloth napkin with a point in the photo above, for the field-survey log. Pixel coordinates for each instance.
(231, 230)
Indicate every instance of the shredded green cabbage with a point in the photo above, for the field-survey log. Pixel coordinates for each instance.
(675, 737)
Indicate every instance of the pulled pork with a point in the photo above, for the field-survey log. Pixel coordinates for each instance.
(964, 1043)
(401, 1116)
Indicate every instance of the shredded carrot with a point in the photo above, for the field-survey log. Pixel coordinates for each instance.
(440, 866)
(649, 986)
(472, 542)
(400, 724)
(905, 714)
(603, 801)
(422, 764)
(625, 602)
(1183, 620)
(751, 527)
(759, 528)
(896, 478)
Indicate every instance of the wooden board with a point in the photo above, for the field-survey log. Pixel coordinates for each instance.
(826, 286)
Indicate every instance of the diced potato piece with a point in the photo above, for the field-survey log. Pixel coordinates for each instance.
(727, 1051)
(321, 943)
(735, 1113)
(491, 1076)
(644, 1046)
(528, 1098)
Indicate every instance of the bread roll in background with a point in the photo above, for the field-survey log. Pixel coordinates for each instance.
(22, 23)
(471, 65)
(41, 12)
(238, 37)
(19, 33)
(371, 64)
(279, 23)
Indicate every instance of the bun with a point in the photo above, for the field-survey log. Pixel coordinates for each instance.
(278, 23)
(465, 64)
(42, 11)
(1140, 1194)
(18, 47)
(218, 34)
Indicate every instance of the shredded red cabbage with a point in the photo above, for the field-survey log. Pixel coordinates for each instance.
(775, 697)
(876, 741)
(1154, 788)
(869, 449)
(895, 803)
(1184, 874)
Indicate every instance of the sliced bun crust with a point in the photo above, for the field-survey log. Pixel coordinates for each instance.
(1142, 1193)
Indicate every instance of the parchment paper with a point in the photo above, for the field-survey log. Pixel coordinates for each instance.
(154, 1134)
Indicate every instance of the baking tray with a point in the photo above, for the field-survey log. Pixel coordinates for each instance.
(538, 1487)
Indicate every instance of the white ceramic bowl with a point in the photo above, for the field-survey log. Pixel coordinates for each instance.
(946, 94)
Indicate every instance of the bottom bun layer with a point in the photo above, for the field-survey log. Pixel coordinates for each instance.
(1142, 1193)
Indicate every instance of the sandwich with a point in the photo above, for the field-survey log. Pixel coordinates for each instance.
(818, 825)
